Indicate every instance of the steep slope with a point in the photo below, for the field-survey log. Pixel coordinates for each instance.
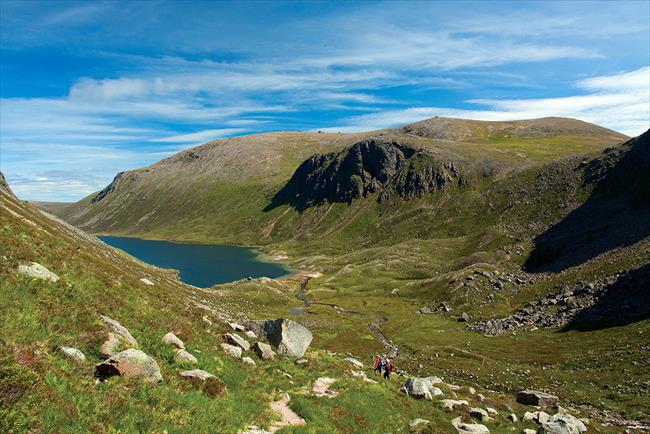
(197, 194)
(4, 187)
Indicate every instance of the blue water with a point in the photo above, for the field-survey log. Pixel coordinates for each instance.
(201, 265)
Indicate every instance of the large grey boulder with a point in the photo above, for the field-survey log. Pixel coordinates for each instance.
(129, 363)
(537, 398)
(231, 350)
(288, 336)
(422, 387)
(37, 271)
(562, 423)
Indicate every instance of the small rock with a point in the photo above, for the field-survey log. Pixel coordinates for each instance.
(529, 431)
(231, 350)
(536, 398)
(450, 404)
(417, 425)
(263, 351)
(354, 361)
(197, 373)
(512, 418)
(119, 330)
(480, 397)
(248, 361)
(37, 271)
(129, 363)
(463, 317)
(491, 411)
(206, 320)
(251, 334)
(73, 353)
(301, 362)
(235, 339)
(480, 414)
(147, 281)
(171, 339)
(471, 390)
(469, 428)
(112, 345)
(237, 327)
(183, 356)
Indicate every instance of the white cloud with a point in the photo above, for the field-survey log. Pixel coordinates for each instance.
(619, 101)
(200, 136)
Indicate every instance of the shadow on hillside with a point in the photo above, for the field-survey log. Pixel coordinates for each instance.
(625, 301)
(616, 214)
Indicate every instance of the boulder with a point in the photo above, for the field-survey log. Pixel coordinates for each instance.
(479, 414)
(183, 356)
(73, 354)
(251, 334)
(562, 423)
(231, 350)
(469, 428)
(463, 317)
(263, 351)
(236, 327)
(197, 373)
(513, 418)
(120, 330)
(236, 340)
(450, 404)
(529, 431)
(147, 281)
(422, 387)
(537, 398)
(129, 363)
(288, 336)
(37, 271)
(171, 339)
(491, 411)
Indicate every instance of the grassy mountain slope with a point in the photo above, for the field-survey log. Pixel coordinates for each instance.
(199, 193)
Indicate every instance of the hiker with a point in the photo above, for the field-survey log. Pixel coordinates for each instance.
(377, 366)
(388, 368)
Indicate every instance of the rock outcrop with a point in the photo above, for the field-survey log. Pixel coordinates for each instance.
(289, 337)
(367, 167)
(129, 363)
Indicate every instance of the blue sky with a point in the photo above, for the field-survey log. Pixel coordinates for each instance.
(92, 88)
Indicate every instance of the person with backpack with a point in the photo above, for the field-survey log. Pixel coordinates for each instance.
(388, 368)
(377, 365)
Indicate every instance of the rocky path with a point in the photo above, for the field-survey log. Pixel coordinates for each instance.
(300, 295)
(375, 328)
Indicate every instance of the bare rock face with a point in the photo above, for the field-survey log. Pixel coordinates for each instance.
(366, 167)
(37, 271)
(129, 363)
(288, 336)
(536, 398)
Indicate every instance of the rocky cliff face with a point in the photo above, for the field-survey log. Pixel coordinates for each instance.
(364, 168)
(4, 186)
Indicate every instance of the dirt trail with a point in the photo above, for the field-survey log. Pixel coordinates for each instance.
(301, 296)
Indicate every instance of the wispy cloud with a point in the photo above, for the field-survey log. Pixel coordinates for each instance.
(618, 101)
(200, 136)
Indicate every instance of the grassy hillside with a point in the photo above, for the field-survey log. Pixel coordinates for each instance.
(218, 191)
